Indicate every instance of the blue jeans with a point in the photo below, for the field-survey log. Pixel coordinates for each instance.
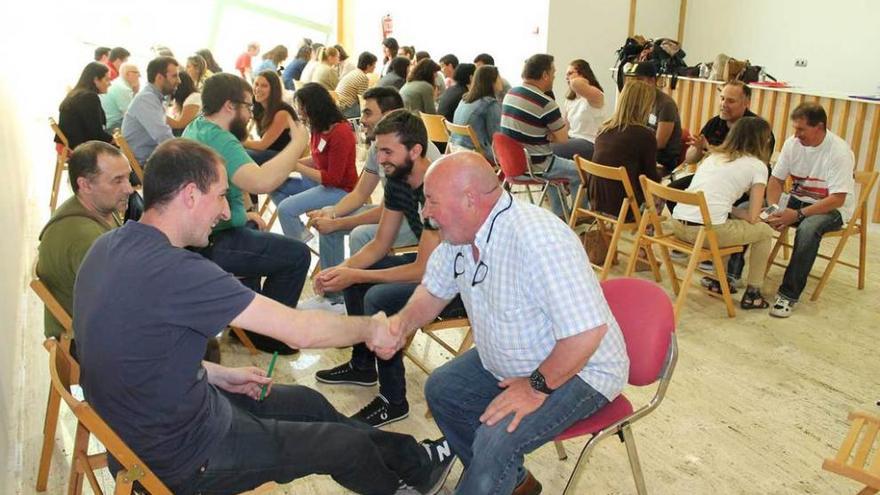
(296, 432)
(255, 256)
(261, 156)
(332, 249)
(574, 146)
(459, 392)
(297, 196)
(561, 168)
(807, 239)
(369, 299)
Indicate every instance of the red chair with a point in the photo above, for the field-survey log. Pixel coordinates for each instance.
(516, 169)
(652, 349)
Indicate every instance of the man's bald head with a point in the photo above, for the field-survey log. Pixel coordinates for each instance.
(131, 75)
(461, 189)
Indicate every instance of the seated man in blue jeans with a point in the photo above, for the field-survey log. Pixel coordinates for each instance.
(372, 280)
(530, 115)
(822, 199)
(250, 253)
(202, 427)
(351, 216)
(548, 350)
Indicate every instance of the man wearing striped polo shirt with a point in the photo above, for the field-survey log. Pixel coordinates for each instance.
(530, 115)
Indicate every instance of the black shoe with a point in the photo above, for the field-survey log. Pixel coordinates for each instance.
(442, 460)
(346, 373)
(380, 412)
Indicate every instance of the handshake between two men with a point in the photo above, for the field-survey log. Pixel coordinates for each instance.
(387, 335)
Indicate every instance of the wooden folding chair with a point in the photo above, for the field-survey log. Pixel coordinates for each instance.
(864, 428)
(435, 124)
(467, 132)
(696, 252)
(430, 331)
(50, 422)
(857, 225)
(62, 153)
(84, 465)
(120, 141)
(602, 220)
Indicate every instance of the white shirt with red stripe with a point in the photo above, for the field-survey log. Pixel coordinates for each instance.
(817, 171)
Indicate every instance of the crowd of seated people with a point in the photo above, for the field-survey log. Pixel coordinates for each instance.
(241, 138)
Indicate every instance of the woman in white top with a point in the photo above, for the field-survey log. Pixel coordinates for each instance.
(583, 109)
(729, 171)
(187, 104)
(309, 69)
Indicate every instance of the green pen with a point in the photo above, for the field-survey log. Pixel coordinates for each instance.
(268, 374)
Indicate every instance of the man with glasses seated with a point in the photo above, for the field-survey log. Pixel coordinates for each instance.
(372, 280)
(240, 245)
(548, 350)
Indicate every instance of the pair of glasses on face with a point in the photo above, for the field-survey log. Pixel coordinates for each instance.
(249, 106)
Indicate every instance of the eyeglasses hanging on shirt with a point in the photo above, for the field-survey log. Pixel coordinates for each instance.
(482, 269)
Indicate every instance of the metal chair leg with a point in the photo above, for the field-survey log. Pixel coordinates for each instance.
(632, 453)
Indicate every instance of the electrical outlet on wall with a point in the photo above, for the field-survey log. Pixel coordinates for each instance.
(800, 62)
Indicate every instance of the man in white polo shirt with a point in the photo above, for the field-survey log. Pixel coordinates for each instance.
(822, 199)
(548, 350)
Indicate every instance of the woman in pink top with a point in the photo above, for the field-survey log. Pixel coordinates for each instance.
(330, 172)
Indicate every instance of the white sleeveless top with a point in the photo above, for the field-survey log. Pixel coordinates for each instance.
(583, 119)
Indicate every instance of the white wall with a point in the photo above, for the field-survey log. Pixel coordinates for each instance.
(589, 29)
(656, 18)
(839, 39)
(510, 31)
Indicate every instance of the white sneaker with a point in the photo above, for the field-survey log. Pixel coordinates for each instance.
(782, 308)
(707, 266)
(322, 303)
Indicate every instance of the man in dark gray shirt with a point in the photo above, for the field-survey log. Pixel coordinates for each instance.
(144, 309)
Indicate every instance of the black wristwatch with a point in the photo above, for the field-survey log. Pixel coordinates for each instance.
(800, 213)
(536, 380)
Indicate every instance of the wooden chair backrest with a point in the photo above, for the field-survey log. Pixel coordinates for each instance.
(53, 306)
(59, 133)
(866, 181)
(126, 150)
(466, 131)
(586, 167)
(653, 189)
(435, 126)
(61, 365)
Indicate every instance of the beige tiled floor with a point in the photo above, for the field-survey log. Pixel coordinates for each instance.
(755, 404)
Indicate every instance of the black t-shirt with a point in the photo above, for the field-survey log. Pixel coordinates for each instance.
(399, 196)
(143, 313)
(666, 110)
(716, 130)
(449, 101)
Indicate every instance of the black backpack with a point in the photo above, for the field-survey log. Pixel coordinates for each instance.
(628, 53)
(669, 57)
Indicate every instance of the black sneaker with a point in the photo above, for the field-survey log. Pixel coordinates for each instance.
(442, 460)
(346, 373)
(380, 412)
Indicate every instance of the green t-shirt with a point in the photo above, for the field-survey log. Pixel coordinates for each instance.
(233, 153)
(64, 242)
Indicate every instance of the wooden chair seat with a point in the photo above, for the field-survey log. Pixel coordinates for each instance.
(852, 457)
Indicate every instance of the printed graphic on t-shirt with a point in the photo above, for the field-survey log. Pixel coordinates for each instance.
(809, 189)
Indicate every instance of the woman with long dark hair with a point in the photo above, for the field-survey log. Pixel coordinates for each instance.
(395, 77)
(213, 66)
(389, 52)
(80, 115)
(187, 103)
(294, 69)
(418, 92)
(330, 173)
(271, 118)
(583, 109)
(480, 109)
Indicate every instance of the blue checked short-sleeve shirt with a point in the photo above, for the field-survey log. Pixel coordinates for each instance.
(533, 287)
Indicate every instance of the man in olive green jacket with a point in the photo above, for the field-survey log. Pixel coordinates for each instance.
(99, 179)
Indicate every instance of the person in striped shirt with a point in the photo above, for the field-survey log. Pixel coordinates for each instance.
(353, 85)
(530, 115)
